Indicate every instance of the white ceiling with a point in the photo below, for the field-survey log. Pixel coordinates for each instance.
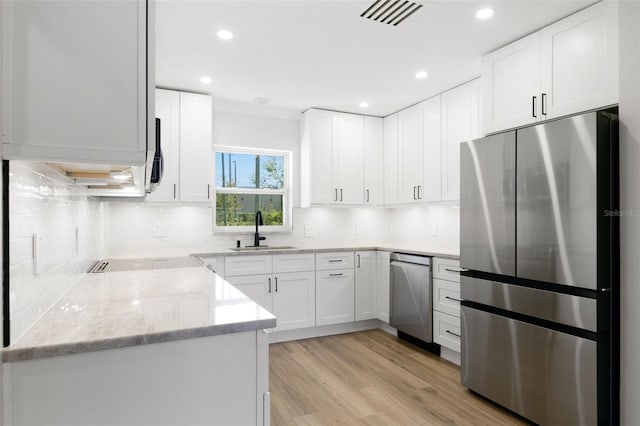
(306, 53)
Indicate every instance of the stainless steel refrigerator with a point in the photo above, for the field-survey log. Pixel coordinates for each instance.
(539, 239)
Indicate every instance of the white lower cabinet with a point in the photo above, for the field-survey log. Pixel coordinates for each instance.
(290, 295)
(335, 296)
(446, 303)
(446, 330)
(366, 285)
(383, 285)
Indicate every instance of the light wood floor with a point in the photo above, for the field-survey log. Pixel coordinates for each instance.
(370, 378)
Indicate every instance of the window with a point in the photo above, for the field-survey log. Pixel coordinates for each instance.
(247, 181)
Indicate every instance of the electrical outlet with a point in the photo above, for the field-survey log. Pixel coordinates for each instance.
(434, 230)
(308, 232)
(358, 229)
(160, 231)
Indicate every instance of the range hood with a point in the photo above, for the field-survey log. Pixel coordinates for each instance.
(106, 180)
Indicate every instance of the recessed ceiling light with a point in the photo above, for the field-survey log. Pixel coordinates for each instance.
(225, 34)
(262, 101)
(363, 104)
(484, 13)
(205, 80)
(422, 75)
(121, 175)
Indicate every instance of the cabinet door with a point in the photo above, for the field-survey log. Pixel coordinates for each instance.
(168, 111)
(349, 151)
(334, 297)
(322, 185)
(384, 280)
(196, 150)
(256, 287)
(460, 109)
(432, 190)
(510, 80)
(294, 300)
(366, 285)
(74, 81)
(580, 61)
(373, 149)
(410, 133)
(390, 160)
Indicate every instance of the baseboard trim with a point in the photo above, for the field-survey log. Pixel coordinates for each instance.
(326, 330)
(450, 355)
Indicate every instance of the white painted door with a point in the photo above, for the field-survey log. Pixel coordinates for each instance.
(168, 111)
(373, 154)
(510, 81)
(384, 274)
(366, 285)
(334, 296)
(349, 151)
(460, 109)
(390, 160)
(294, 300)
(258, 288)
(74, 81)
(411, 130)
(323, 187)
(432, 163)
(580, 61)
(196, 150)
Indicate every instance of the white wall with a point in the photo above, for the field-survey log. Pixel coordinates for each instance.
(630, 202)
(44, 203)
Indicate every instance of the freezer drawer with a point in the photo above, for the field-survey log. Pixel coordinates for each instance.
(487, 204)
(544, 375)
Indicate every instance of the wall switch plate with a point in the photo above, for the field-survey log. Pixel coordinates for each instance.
(434, 230)
(358, 229)
(308, 232)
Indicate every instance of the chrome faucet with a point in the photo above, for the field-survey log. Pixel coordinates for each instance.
(256, 237)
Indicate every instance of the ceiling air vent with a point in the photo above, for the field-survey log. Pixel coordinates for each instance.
(391, 12)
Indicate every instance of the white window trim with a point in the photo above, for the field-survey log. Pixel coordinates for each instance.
(287, 208)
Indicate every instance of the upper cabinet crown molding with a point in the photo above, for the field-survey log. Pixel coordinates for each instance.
(568, 67)
(73, 89)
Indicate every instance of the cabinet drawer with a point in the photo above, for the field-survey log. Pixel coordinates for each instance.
(446, 297)
(446, 269)
(247, 265)
(301, 262)
(336, 260)
(446, 330)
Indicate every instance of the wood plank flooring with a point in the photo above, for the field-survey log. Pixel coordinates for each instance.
(370, 378)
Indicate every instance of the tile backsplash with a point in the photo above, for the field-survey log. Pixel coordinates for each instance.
(56, 233)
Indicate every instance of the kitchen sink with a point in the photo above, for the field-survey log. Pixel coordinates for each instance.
(248, 248)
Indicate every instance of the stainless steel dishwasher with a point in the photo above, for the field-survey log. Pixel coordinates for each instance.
(411, 300)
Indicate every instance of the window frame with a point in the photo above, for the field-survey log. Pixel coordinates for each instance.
(287, 208)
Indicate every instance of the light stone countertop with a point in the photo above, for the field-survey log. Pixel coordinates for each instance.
(129, 308)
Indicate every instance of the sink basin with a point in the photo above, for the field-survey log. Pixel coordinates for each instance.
(262, 248)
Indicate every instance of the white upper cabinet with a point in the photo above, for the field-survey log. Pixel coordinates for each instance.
(580, 61)
(186, 132)
(168, 111)
(460, 123)
(511, 85)
(196, 149)
(568, 67)
(373, 155)
(390, 159)
(348, 148)
(432, 165)
(411, 128)
(77, 80)
(332, 155)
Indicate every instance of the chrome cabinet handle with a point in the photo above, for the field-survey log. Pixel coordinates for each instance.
(533, 106)
(335, 260)
(208, 191)
(269, 285)
(367, 195)
(358, 261)
(414, 193)
(457, 271)
(453, 298)
(336, 275)
(452, 333)
(335, 195)
(544, 104)
(276, 284)
(174, 191)
(419, 196)
(340, 194)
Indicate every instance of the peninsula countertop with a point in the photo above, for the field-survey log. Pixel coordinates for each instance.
(130, 308)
